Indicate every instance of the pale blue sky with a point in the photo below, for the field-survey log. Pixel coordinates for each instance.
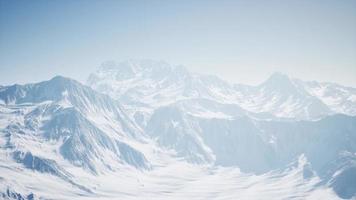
(241, 41)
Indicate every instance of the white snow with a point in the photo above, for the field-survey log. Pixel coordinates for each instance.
(204, 126)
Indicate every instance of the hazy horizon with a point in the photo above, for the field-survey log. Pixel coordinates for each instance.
(239, 41)
(84, 80)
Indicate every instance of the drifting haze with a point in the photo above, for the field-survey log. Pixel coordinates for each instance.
(241, 41)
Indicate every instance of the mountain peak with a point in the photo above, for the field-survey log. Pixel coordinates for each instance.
(62, 79)
(133, 65)
(136, 68)
(278, 79)
(38, 92)
(61, 83)
(279, 82)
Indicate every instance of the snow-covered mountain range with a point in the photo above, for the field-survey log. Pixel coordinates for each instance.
(153, 84)
(144, 129)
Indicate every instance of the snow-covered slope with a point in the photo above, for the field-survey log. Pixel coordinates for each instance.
(154, 84)
(62, 140)
(151, 130)
(256, 146)
(256, 128)
(62, 119)
(338, 98)
(151, 84)
(178, 180)
(282, 97)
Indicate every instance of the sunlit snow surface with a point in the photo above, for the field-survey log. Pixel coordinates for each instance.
(174, 180)
(150, 130)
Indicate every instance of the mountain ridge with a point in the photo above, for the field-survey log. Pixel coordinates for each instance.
(295, 96)
(158, 129)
